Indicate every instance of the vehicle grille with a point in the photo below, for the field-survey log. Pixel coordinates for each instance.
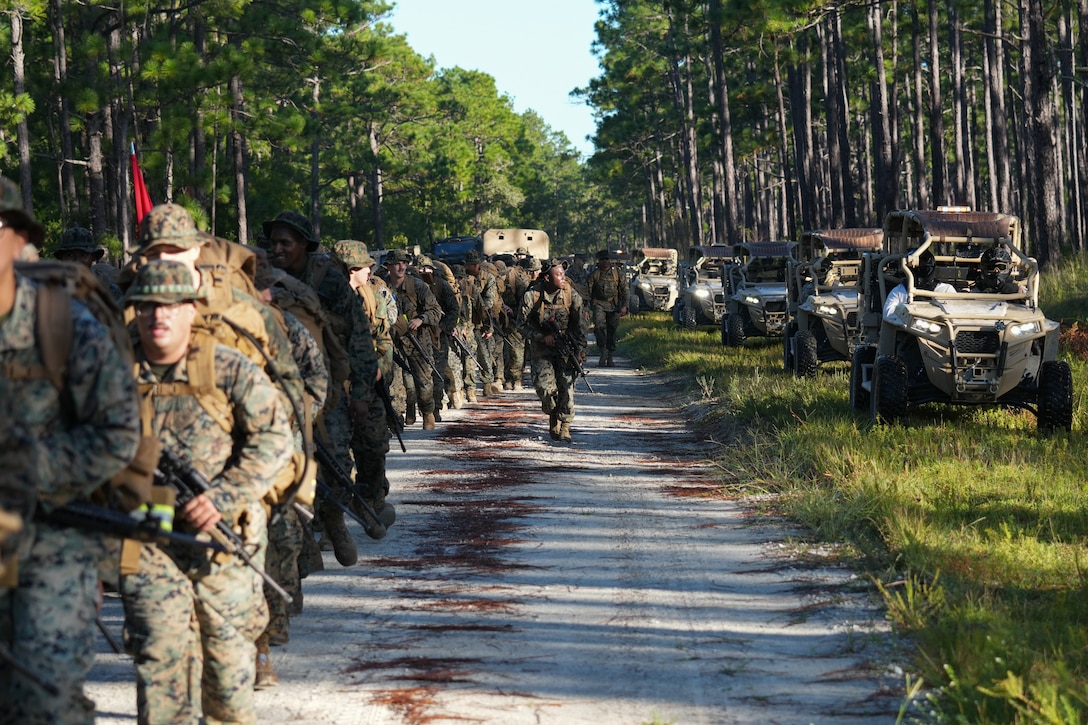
(852, 319)
(968, 341)
(776, 306)
(719, 298)
(663, 291)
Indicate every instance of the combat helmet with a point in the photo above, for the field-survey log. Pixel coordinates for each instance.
(167, 225)
(297, 222)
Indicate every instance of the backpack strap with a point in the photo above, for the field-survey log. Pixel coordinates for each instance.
(200, 367)
(53, 331)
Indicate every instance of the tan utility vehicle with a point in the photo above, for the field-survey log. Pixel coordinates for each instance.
(945, 336)
(653, 282)
(755, 291)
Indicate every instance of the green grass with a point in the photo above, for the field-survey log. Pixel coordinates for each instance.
(974, 528)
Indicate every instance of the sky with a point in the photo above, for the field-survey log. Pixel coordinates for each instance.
(537, 52)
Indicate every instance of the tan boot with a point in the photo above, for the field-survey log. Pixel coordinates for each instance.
(554, 426)
(266, 675)
(457, 400)
(470, 395)
(564, 432)
(516, 385)
(428, 421)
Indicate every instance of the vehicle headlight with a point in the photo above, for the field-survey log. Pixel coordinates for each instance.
(927, 326)
(1024, 329)
(702, 293)
(827, 310)
(751, 300)
(644, 284)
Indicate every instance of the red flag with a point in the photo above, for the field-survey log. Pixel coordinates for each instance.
(139, 190)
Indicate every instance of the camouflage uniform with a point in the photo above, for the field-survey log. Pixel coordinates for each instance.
(79, 241)
(414, 300)
(446, 297)
(370, 442)
(465, 365)
(608, 298)
(517, 283)
(486, 292)
(351, 327)
(191, 619)
(54, 451)
(553, 377)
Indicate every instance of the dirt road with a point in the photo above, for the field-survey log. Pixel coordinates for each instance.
(603, 582)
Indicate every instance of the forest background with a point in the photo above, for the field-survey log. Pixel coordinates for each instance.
(717, 121)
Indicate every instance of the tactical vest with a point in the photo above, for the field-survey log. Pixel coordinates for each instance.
(559, 307)
(605, 284)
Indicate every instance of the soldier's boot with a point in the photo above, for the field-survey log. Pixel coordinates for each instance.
(295, 607)
(410, 415)
(437, 417)
(457, 400)
(516, 385)
(470, 395)
(603, 360)
(564, 432)
(324, 543)
(609, 362)
(508, 385)
(429, 421)
(554, 426)
(343, 546)
(266, 675)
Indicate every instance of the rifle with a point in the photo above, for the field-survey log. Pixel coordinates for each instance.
(565, 346)
(423, 353)
(460, 344)
(149, 529)
(189, 483)
(9, 659)
(374, 528)
(391, 418)
(498, 331)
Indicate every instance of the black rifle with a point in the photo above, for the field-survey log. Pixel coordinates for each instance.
(374, 528)
(391, 418)
(565, 346)
(189, 483)
(9, 659)
(423, 353)
(460, 344)
(92, 517)
(496, 328)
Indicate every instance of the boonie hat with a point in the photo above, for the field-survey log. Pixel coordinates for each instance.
(424, 261)
(11, 205)
(353, 254)
(603, 254)
(295, 221)
(165, 281)
(553, 262)
(532, 264)
(523, 251)
(79, 239)
(397, 255)
(167, 225)
(472, 257)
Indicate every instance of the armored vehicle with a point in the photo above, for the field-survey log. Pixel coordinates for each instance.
(936, 330)
(755, 291)
(653, 283)
(700, 300)
(823, 297)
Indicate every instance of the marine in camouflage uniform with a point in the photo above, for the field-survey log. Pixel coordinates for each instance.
(446, 297)
(553, 377)
(608, 298)
(55, 447)
(486, 292)
(293, 248)
(418, 314)
(464, 365)
(192, 618)
(370, 442)
(517, 283)
(77, 245)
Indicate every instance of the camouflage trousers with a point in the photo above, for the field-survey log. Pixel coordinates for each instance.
(334, 428)
(285, 536)
(369, 445)
(464, 364)
(485, 357)
(605, 324)
(514, 356)
(439, 379)
(48, 624)
(498, 347)
(192, 635)
(554, 383)
(419, 386)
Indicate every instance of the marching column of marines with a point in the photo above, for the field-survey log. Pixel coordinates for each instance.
(231, 404)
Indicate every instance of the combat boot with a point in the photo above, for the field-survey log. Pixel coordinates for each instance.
(437, 417)
(310, 560)
(508, 385)
(564, 432)
(603, 360)
(608, 362)
(457, 400)
(554, 426)
(428, 421)
(470, 395)
(343, 546)
(266, 675)
(410, 415)
(516, 385)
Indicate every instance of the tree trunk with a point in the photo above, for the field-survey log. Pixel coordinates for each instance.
(921, 187)
(789, 195)
(1001, 171)
(377, 187)
(936, 112)
(800, 80)
(238, 147)
(1072, 213)
(18, 63)
(731, 231)
(886, 181)
(69, 199)
(1040, 119)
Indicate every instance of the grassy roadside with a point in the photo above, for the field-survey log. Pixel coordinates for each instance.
(975, 529)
